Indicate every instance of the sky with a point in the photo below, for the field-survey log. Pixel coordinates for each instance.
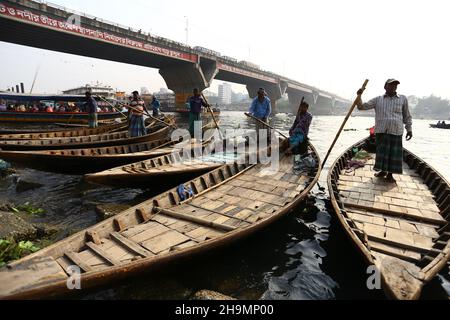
(329, 44)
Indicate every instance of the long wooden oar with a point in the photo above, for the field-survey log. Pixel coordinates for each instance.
(212, 114)
(345, 121)
(156, 119)
(112, 106)
(266, 124)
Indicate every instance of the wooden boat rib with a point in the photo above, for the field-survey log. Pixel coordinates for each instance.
(403, 228)
(157, 131)
(66, 133)
(230, 203)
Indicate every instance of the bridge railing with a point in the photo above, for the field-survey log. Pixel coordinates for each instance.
(154, 38)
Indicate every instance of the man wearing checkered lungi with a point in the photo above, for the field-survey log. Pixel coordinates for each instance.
(391, 113)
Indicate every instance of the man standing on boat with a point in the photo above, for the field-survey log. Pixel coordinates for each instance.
(196, 103)
(136, 111)
(91, 108)
(261, 108)
(391, 112)
(156, 105)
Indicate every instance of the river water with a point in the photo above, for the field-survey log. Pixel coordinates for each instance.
(303, 256)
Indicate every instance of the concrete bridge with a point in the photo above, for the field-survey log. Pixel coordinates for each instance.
(51, 27)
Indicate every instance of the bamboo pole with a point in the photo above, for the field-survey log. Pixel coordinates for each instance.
(212, 114)
(345, 121)
(266, 124)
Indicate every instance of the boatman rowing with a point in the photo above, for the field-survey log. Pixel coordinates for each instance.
(261, 108)
(391, 112)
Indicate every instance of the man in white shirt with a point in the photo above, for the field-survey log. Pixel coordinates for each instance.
(391, 113)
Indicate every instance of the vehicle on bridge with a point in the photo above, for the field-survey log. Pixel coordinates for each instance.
(207, 51)
(231, 59)
(250, 64)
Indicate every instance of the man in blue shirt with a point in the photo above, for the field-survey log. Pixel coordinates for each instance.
(196, 103)
(156, 105)
(261, 108)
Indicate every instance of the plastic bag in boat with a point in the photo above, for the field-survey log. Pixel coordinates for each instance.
(184, 193)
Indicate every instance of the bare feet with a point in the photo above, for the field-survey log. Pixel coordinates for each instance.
(381, 174)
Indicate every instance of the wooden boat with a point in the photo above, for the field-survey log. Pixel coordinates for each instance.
(75, 125)
(167, 170)
(87, 160)
(403, 228)
(230, 203)
(156, 131)
(65, 133)
(52, 117)
(84, 160)
(440, 126)
(48, 117)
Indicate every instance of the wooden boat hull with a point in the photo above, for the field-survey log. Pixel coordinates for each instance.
(53, 117)
(440, 126)
(137, 176)
(174, 232)
(102, 140)
(64, 133)
(167, 170)
(81, 161)
(402, 228)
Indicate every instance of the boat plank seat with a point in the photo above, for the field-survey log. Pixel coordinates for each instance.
(153, 229)
(75, 258)
(131, 245)
(207, 221)
(90, 258)
(117, 250)
(213, 215)
(203, 233)
(165, 241)
(399, 253)
(103, 254)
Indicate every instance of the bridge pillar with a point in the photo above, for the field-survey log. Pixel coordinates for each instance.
(183, 79)
(274, 91)
(318, 104)
(295, 97)
(324, 105)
